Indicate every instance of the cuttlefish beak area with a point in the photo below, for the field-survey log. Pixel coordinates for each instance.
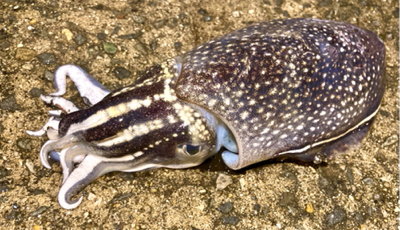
(131, 133)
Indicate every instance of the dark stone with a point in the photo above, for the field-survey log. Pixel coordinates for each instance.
(380, 157)
(80, 39)
(35, 92)
(306, 5)
(349, 175)
(178, 45)
(101, 36)
(4, 187)
(98, 7)
(47, 58)
(278, 2)
(257, 207)
(232, 220)
(225, 208)
(38, 211)
(3, 34)
(358, 217)
(160, 23)
(37, 191)
(48, 76)
(116, 30)
(202, 11)
(384, 113)
(395, 12)
(13, 215)
(153, 45)
(15, 206)
(10, 104)
(131, 36)
(5, 45)
(3, 172)
(338, 215)
(286, 14)
(121, 72)
(24, 144)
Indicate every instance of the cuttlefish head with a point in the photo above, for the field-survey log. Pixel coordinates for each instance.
(126, 132)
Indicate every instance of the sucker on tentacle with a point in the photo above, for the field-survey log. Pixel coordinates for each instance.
(306, 89)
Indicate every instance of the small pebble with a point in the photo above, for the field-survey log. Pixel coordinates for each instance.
(139, 19)
(91, 196)
(30, 165)
(243, 183)
(207, 18)
(391, 140)
(131, 36)
(116, 30)
(153, 45)
(49, 76)
(178, 45)
(223, 181)
(309, 208)
(35, 92)
(24, 144)
(389, 37)
(160, 23)
(141, 48)
(80, 39)
(226, 207)
(232, 220)
(395, 12)
(10, 104)
(368, 181)
(121, 72)
(68, 34)
(338, 215)
(101, 36)
(236, 14)
(4, 187)
(47, 58)
(38, 211)
(27, 66)
(349, 175)
(109, 48)
(257, 207)
(202, 11)
(3, 172)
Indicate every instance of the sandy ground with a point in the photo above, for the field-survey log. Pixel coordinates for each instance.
(357, 190)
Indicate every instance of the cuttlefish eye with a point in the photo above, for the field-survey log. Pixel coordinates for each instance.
(190, 150)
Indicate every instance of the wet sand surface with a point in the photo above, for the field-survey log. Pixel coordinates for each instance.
(356, 190)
